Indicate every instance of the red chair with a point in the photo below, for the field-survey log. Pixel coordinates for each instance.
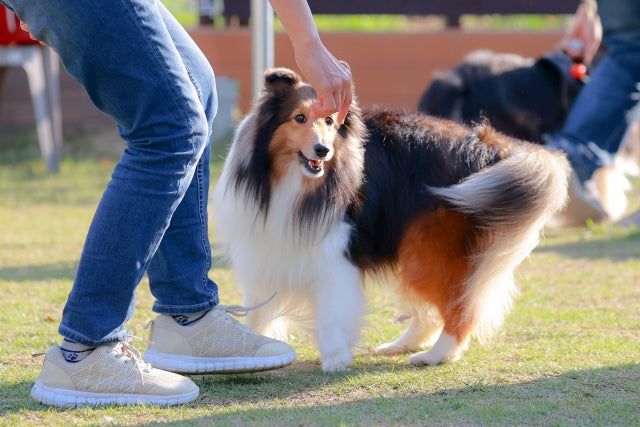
(41, 65)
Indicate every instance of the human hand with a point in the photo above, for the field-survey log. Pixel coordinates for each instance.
(330, 78)
(582, 40)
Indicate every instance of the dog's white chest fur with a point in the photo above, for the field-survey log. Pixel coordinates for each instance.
(272, 247)
(306, 271)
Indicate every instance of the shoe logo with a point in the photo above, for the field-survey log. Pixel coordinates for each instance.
(181, 319)
(75, 356)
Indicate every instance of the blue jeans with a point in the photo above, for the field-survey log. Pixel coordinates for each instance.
(600, 114)
(139, 66)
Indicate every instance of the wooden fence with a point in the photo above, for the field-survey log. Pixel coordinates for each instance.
(452, 9)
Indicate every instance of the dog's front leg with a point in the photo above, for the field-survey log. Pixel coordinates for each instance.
(339, 309)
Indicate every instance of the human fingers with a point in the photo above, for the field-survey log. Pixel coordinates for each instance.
(346, 104)
(333, 96)
(325, 106)
(583, 38)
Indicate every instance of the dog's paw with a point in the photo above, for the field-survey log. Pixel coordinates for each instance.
(446, 349)
(338, 362)
(391, 348)
(431, 358)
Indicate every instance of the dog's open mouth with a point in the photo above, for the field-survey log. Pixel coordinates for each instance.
(314, 167)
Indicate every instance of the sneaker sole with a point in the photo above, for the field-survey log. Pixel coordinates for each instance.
(216, 365)
(75, 399)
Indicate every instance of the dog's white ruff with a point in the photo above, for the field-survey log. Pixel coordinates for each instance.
(268, 255)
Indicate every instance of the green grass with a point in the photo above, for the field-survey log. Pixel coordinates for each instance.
(186, 12)
(402, 23)
(529, 22)
(568, 354)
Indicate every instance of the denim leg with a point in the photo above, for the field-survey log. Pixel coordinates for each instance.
(178, 272)
(125, 56)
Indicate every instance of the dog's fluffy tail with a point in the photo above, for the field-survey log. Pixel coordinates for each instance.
(527, 187)
(509, 203)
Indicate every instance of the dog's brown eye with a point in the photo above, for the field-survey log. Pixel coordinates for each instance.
(300, 118)
(328, 121)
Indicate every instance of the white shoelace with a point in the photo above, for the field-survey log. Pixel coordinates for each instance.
(124, 349)
(241, 311)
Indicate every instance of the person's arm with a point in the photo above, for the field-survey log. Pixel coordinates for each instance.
(330, 78)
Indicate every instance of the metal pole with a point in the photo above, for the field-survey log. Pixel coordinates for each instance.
(262, 51)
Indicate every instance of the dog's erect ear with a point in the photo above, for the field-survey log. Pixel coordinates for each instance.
(275, 78)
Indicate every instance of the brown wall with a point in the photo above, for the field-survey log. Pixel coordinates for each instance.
(388, 69)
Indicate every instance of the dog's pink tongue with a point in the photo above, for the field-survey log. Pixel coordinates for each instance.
(315, 163)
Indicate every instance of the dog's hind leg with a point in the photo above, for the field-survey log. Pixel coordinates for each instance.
(423, 329)
(448, 348)
(339, 309)
(434, 262)
(456, 331)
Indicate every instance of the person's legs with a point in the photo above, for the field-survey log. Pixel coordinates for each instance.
(178, 272)
(125, 56)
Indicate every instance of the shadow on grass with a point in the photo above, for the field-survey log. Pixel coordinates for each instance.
(605, 396)
(622, 246)
(17, 147)
(60, 271)
(57, 271)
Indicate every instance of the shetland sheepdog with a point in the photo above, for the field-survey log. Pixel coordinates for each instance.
(307, 208)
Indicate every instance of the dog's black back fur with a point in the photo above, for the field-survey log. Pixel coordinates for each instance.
(405, 154)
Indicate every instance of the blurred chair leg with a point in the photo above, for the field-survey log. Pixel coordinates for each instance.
(3, 72)
(45, 95)
(34, 67)
(52, 81)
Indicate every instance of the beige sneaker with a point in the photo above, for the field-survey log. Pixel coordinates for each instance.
(111, 375)
(217, 343)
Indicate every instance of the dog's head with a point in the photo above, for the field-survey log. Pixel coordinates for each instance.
(301, 138)
(279, 145)
(284, 115)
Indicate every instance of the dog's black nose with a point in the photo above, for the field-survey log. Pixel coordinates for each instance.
(320, 150)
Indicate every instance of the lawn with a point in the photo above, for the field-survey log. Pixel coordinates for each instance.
(186, 11)
(568, 354)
